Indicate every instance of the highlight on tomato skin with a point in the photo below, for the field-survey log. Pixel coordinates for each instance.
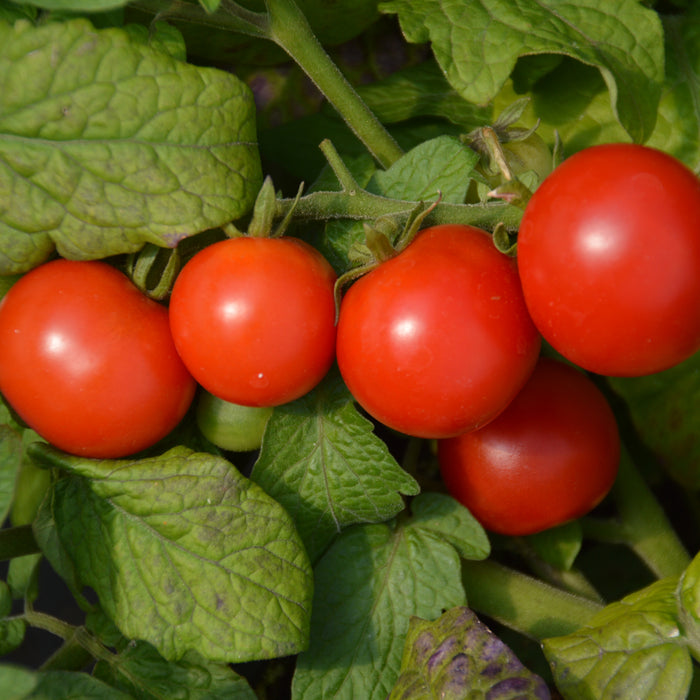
(88, 362)
(437, 340)
(609, 258)
(549, 458)
(253, 319)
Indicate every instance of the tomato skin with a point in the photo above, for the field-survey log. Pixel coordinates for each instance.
(609, 257)
(254, 319)
(88, 361)
(231, 426)
(549, 458)
(437, 340)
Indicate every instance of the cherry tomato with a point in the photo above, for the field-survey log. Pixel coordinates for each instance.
(437, 340)
(254, 319)
(609, 257)
(549, 458)
(88, 361)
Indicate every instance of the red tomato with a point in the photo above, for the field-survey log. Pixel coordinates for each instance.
(609, 257)
(254, 319)
(437, 340)
(549, 458)
(88, 361)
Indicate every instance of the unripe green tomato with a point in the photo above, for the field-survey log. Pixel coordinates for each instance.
(531, 153)
(229, 425)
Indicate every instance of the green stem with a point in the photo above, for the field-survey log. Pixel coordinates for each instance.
(525, 604)
(363, 205)
(229, 17)
(17, 541)
(285, 24)
(291, 31)
(73, 637)
(644, 525)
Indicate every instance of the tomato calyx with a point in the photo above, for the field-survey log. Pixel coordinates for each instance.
(261, 224)
(382, 242)
(506, 152)
(154, 269)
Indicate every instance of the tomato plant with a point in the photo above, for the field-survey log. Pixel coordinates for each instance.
(437, 340)
(88, 361)
(609, 256)
(254, 319)
(549, 458)
(328, 560)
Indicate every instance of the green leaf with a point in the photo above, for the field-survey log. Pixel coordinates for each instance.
(210, 5)
(11, 452)
(11, 630)
(161, 37)
(332, 23)
(663, 409)
(368, 585)
(558, 546)
(11, 634)
(10, 11)
(458, 657)
(142, 673)
(442, 165)
(106, 144)
(61, 685)
(81, 6)
(23, 577)
(185, 553)
(448, 520)
(422, 91)
(47, 537)
(572, 101)
(322, 462)
(478, 42)
(16, 682)
(689, 605)
(632, 648)
(678, 124)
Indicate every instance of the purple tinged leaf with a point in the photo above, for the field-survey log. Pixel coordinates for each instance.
(457, 655)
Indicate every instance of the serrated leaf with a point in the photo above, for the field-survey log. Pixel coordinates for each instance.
(572, 99)
(369, 583)
(632, 648)
(185, 553)
(106, 144)
(478, 42)
(441, 165)
(457, 656)
(438, 166)
(142, 673)
(322, 462)
(448, 520)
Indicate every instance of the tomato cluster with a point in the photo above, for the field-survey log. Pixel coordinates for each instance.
(441, 341)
